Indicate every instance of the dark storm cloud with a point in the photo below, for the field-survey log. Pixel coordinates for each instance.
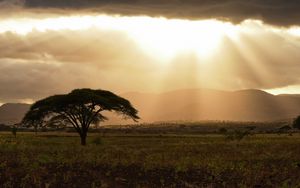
(11, 3)
(277, 12)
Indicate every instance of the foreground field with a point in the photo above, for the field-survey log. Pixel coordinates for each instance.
(141, 160)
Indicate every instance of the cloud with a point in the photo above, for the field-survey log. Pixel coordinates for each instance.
(22, 80)
(44, 63)
(11, 3)
(40, 64)
(32, 80)
(83, 47)
(277, 12)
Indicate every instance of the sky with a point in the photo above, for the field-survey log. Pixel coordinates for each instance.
(53, 46)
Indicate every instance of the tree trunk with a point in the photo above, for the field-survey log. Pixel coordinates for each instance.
(83, 139)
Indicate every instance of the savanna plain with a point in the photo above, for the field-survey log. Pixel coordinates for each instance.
(183, 156)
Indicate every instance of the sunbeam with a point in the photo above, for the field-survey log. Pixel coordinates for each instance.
(159, 37)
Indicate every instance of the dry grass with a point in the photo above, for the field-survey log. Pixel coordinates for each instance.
(143, 160)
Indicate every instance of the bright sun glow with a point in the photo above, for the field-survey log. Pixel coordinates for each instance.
(294, 31)
(159, 37)
(293, 89)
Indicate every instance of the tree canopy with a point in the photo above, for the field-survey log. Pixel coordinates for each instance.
(80, 108)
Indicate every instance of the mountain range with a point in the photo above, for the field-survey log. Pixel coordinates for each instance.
(208, 104)
(194, 105)
(11, 113)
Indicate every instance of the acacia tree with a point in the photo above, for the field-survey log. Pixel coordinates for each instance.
(33, 119)
(80, 108)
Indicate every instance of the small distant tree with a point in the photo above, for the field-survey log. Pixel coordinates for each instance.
(238, 134)
(80, 108)
(14, 130)
(296, 123)
(33, 119)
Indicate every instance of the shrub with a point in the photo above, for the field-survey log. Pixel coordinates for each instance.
(223, 130)
(97, 140)
(237, 135)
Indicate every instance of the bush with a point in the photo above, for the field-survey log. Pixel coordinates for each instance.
(97, 140)
(223, 130)
(237, 135)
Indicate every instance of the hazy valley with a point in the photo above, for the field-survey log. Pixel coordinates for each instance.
(194, 105)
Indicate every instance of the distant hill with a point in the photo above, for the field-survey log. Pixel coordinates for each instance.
(289, 95)
(207, 104)
(11, 113)
(194, 105)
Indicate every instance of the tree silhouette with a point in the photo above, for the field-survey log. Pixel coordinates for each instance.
(33, 119)
(80, 108)
(296, 122)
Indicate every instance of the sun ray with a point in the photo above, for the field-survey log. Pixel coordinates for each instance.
(251, 52)
(160, 37)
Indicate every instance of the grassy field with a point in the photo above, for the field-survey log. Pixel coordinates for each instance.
(149, 160)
